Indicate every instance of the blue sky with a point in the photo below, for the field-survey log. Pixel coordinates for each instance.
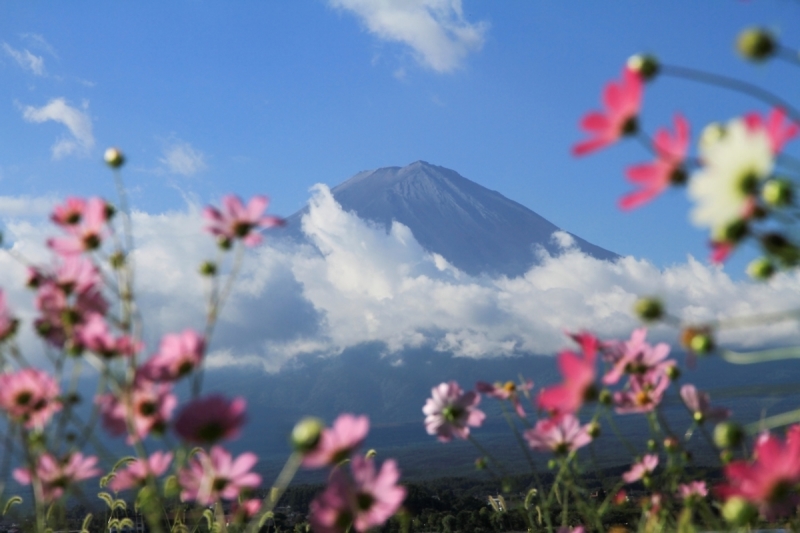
(274, 97)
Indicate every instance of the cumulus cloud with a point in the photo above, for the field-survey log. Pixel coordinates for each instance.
(25, 59)
(181, 158)
(359, 284)
(79, 125)
(435, 30)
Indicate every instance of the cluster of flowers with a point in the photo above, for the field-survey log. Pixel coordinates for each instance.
(765, 482)
(734, 180)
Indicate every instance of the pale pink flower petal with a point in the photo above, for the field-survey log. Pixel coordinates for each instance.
(338, 442)
(450, 412)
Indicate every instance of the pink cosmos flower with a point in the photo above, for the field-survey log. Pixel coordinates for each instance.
(561, 434)
(653, 178)
(720, 251)
(148, 404)
(178, 355)
(450, 412)
(768, 480)
(135, 474)
(211, 419)
(641, 469)
(62, 314)
(96, 336)
(69, 213)
(506, 391)
(579, 375)
(77, 274)
(642, 394)
(777, 132)
(8, 324)
(694, 490)
(56, 475)
(215, 475)
(238, 222)
(622, 102)
(699, 404)
(338, 442)
(639, 358)
(85, 236)
(246, 510)
(365, 500)
(29, 396)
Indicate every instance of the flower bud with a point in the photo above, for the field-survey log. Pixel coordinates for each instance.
(306, 434)
(114, 158)
(728, 434)
(756, 44)
(593, 430)
(605, 397)
(645, 65)
(208, 268)
(739, 511)
(671, 444)
(726, 456)
(673, 373)
(371, 453)
(551, 464)
(481, 463)
(778, 193)
(701, 344)
(761, 268)
(649, 309)
(117, 260)
(733, 232)
(652, 445)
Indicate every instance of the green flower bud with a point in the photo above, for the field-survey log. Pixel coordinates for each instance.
(649, 309)
(701, 344)
(594, 430)
(778, 193)
(673, 373)
(224, 243)
(114, 158)
(551, 464)
(481, 463)
(756, 44)
(208, 268)
(728, 434)
(652, 445)
(117, 260)
(605, 397)
(761, 268)
(739, 511)
(306, 434)
(645, 65)
(726, 456)
(671, 444)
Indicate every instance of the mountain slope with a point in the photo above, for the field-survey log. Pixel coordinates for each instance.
(476, 229)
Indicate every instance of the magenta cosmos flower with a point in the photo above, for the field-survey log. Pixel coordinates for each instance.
(365, 500)
(653, 178)
(178, 354)
(96, 336)
(694, 490)
(450, 412)
(69, 213)
(149, 406)
(214, 475)
(85, 235)
(506, 391)
(768, 480)
(641, 468)
(236, 221)
(579, 376)
(29, 396)
(561, 434)
(56, 475)
(136, 472)
(622, 102)
(639, 358)
(211, 419)
(774, 125)
(642, 394)
(700, 406)
(338, 442)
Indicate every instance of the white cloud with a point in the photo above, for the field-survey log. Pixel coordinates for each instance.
(181, 158)
(26, 59)
(25, 207)
(435, 30)
(362, 284)
(79, 124)
(38, 41)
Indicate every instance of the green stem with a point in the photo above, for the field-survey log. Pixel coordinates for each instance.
(274, 495)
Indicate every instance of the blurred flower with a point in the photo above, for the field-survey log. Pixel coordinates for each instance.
(450, 411)
(56, 476)
(178, 354)
(365, 501)
(211, 419)
(579, 376)
(214, 475)
(239, 222)
(8, 324)
(622, 101)
(653, 178)
(136, 472)
(693, 490)
(699, 404)
(87, 234)
(149, 406)
(643, 393)
(506, 391)
(338, 442)
(69, 213)
(773, 125)
(639, 358)
(96, 336)
(29, 396)
(561, 434)
(641, 468)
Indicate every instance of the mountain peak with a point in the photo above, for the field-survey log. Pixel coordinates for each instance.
(476, 229)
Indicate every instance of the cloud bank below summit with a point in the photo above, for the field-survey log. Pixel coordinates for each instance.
(359, 284)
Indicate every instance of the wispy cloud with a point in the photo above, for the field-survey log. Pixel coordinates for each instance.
(180, 157)
(38, 42)
(25, 59)
(78, 123)
(435, 30)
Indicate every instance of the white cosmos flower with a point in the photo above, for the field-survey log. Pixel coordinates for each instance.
(734, 163)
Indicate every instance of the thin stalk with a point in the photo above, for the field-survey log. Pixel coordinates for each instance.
(281, 483)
